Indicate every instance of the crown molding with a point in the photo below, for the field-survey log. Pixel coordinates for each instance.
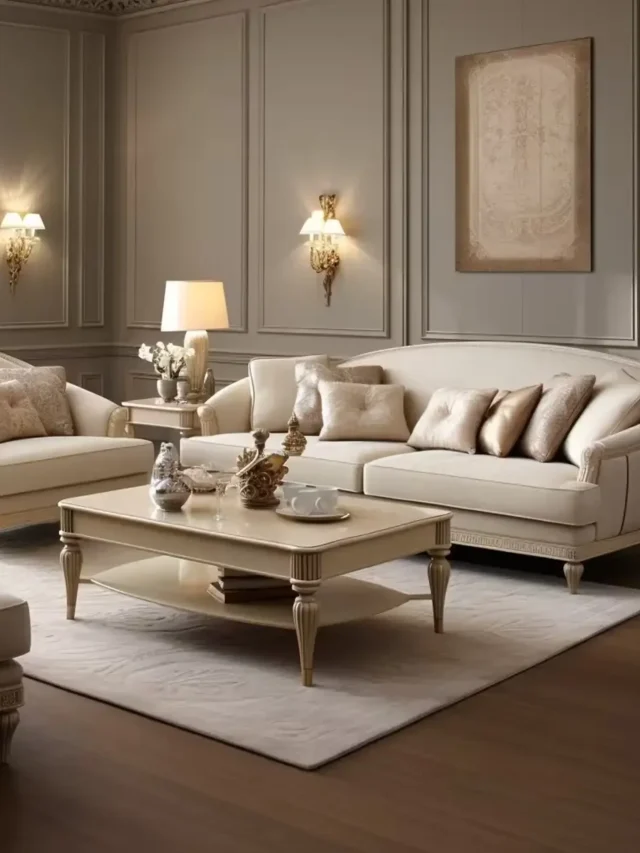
(110, 8)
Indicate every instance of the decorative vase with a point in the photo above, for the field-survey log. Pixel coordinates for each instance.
(170, 494)
(184, 386)
(167, 464)
(167, 389)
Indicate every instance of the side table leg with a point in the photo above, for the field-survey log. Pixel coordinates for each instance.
(439, 573)
(129, 430)
(71, 562)
(305, 618)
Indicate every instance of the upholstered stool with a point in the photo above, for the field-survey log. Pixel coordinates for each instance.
(15, 640)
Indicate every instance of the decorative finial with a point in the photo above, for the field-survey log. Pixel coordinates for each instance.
(294, 442)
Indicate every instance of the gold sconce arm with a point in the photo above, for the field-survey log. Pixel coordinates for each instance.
(18, 252)
(324, 231)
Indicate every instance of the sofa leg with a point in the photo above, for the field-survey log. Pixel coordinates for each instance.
(573, 573)
(8, 723)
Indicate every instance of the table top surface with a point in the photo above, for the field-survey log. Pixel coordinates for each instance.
(158, 403)
(370, 518)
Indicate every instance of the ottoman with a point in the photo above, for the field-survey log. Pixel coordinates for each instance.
(15, 640)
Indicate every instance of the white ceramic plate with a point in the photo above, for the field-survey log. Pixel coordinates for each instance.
(339, 515)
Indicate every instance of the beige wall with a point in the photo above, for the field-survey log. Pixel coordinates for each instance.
(52, 103)
(225, 121)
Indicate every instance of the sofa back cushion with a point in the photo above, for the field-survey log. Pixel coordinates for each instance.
(18, 416)
(452, 419)
(274, 389)
(614, 406)
(46, 390)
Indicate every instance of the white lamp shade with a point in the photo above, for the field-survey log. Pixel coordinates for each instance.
(193, 305)
(33, 221)
(333, 228)
(11, 220)
(314, 224)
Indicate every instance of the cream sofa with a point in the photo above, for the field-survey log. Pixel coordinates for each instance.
(36, 473)
(555, 510)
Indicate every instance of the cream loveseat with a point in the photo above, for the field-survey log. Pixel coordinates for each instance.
(36, 473)
(554, 509)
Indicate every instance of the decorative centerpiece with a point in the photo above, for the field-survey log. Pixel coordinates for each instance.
(294, 442)
(167, 464)
(260, 474)
(168, 489)
(168, 361)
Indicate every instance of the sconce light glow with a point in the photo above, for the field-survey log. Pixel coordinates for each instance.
(324, 232)
(20, 241)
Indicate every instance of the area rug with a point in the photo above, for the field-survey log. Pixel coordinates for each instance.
(240, 683)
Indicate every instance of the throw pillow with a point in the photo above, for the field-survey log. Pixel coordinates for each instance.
(452, 419)
(356, 412)
(308, 405)
(614, 406)
(46, 390)
(506, 419)
(18, 417)
(560, 406)
(273, 390)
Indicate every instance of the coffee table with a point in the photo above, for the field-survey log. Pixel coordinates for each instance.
(313, 558)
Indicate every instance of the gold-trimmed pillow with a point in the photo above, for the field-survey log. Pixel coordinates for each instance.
(506, 420)
(452, 419)
(308, 405)
(355, 412)
(560, 406)
(47, 392)
(18, 416)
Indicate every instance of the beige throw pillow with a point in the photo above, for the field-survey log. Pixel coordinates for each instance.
(18, 417)
(356, 412)
(308, 405)
(274, 389)
(560, 406)
(614, 406)
(506, 419)
(452, 419)
(46, 390)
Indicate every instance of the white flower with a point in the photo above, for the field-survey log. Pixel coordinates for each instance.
(160, 345)
(145, 353)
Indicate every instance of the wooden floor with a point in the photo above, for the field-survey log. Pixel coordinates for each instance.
(548, 761)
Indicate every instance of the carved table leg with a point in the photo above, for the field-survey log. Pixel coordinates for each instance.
(305, 581)
(71, 562)
(8, 724)
(439, 572)
(573, 573)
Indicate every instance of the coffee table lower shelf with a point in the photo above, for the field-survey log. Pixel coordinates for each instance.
(183, 584)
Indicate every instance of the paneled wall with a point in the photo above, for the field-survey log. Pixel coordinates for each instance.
(52, 160)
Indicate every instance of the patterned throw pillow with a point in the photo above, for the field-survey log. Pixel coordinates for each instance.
(452, 419)
(46, 390)
(18, 417)
(356, 412)
(308, 405)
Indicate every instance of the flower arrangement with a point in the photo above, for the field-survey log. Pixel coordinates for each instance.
(168, 360)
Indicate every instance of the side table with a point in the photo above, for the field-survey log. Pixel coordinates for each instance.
(154, 412)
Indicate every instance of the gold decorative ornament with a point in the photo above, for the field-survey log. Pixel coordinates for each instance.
(324, 232)
(260, 474)
(294, 442)
(21, 239)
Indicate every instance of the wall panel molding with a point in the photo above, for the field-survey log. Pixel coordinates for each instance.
(385, 330)
(88, 317)
(133, 321)
(63, 321)
(93, 382)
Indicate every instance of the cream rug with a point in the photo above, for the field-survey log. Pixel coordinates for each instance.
(240, 683)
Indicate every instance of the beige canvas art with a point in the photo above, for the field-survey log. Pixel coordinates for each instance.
(523, 159)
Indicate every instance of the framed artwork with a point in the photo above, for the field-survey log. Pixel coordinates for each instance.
(523, 159)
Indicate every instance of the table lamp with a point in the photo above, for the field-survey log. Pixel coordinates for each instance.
(194, 307)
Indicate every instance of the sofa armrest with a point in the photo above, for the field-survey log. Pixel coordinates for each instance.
(227, 411)
(625, 443)
(94, 415)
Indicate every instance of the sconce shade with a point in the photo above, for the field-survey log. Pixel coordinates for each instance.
(314, 224)
(11, 220)
(333, 228)
(194, 305)
(33, 221)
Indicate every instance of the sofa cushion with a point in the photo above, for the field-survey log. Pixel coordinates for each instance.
(18, 416)
(506, 419)
(15, 627)
(46, 390)
(274, 389)
(308, 405)
(323, 463)
(512, 486)
(34, 464)
(356, 412)
(452, 419)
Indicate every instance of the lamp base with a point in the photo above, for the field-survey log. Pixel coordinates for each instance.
(198, 341)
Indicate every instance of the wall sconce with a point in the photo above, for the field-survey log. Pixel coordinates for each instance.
(20, 242)
(324, 232)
